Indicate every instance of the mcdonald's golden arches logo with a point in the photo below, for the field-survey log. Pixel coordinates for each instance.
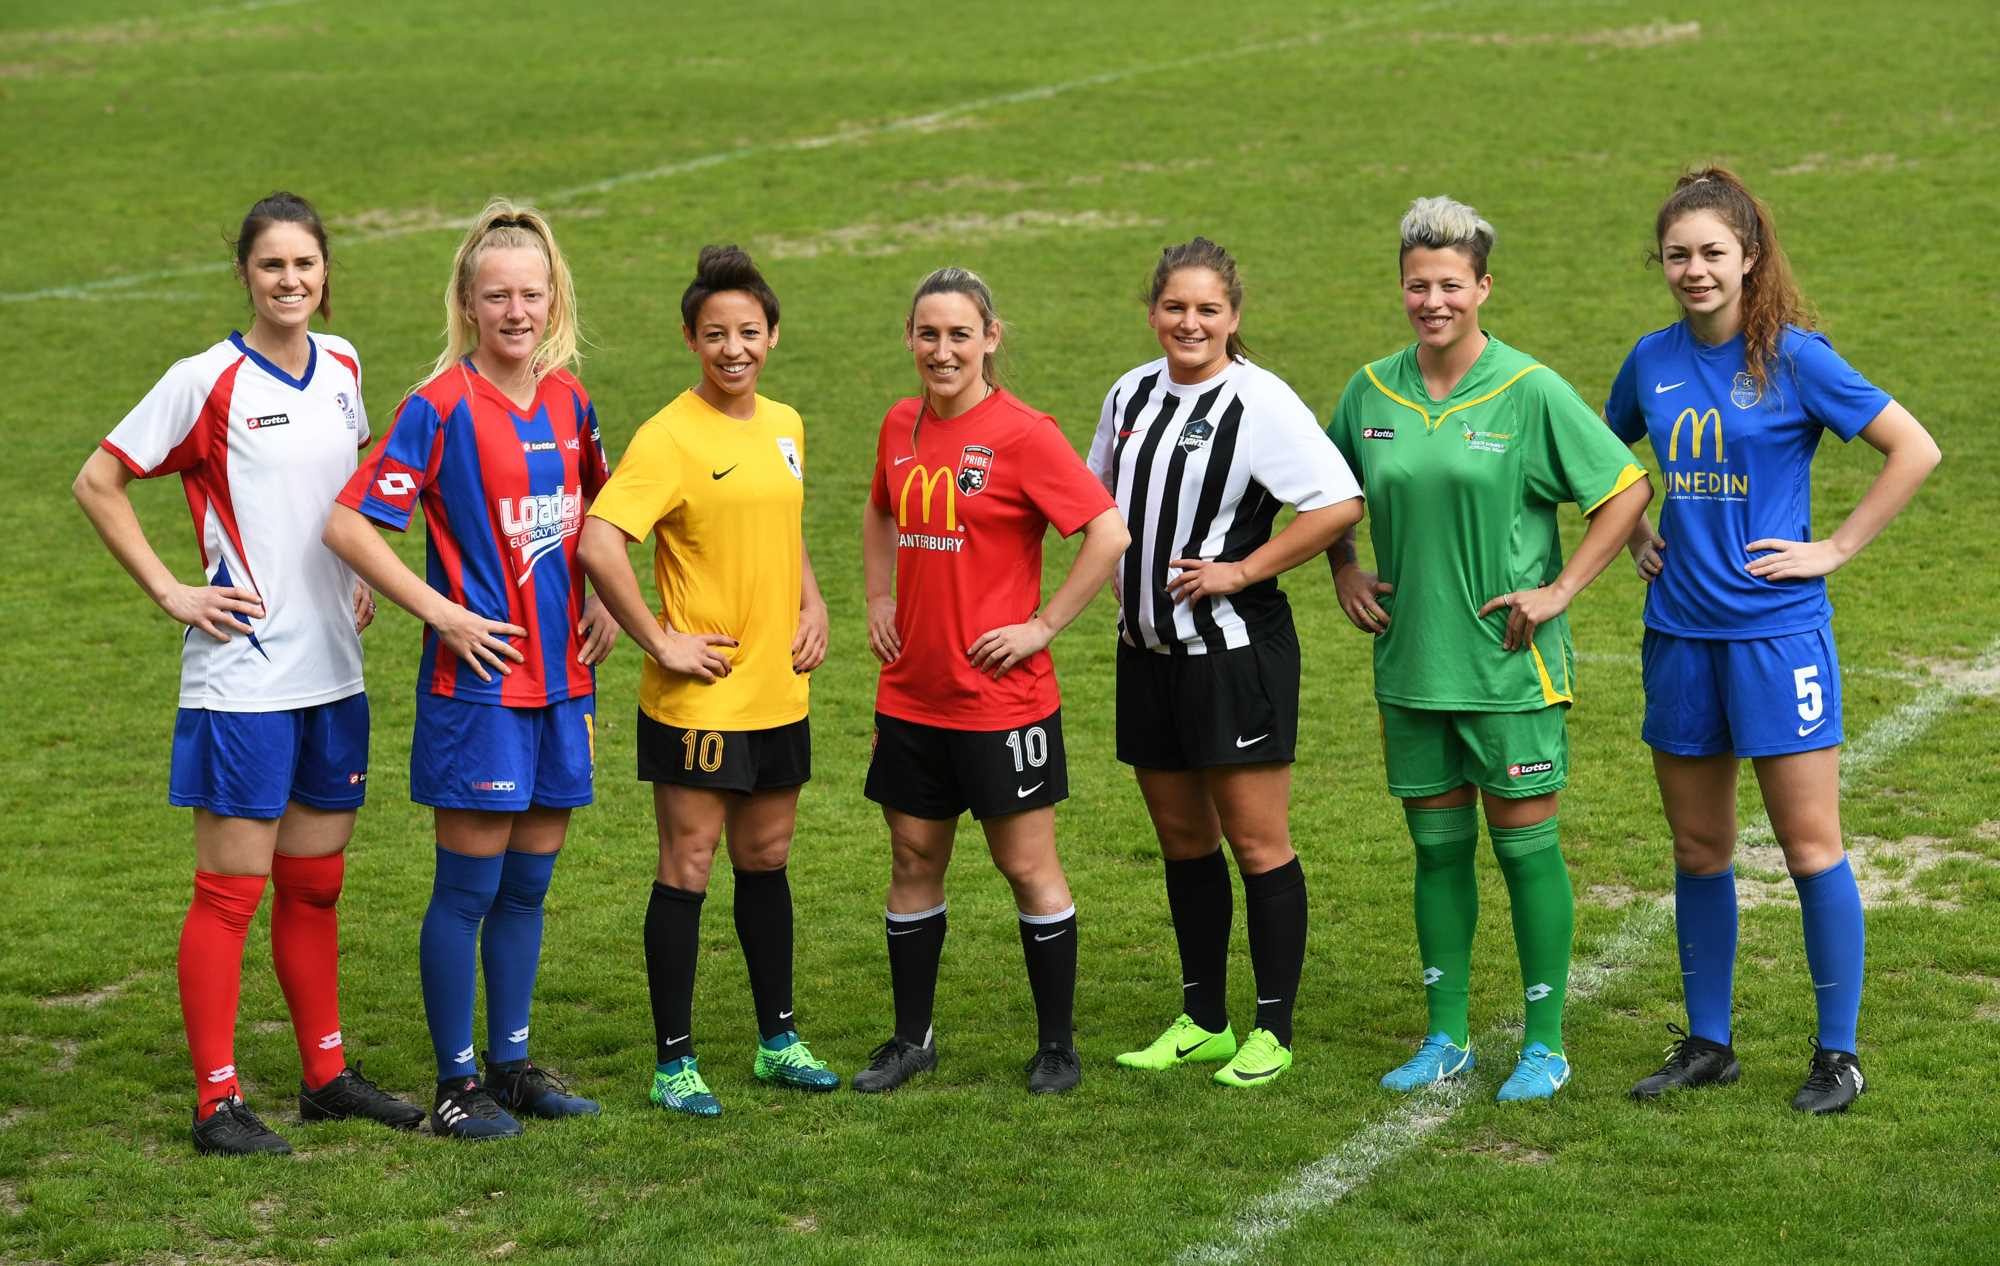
(1701, 421)
(929, 480)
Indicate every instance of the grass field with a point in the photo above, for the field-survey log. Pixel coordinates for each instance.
(1055, 147)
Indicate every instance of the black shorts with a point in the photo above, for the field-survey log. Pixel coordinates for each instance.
(725, 760)
(1234, 707)
(927, 771)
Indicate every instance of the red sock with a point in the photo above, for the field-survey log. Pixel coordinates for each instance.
(211, 974)
(305, 949)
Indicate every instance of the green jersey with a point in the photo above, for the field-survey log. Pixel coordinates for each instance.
(1463, 496)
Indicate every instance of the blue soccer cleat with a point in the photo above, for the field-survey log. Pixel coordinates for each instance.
(1539, 1075)
(1438, 1059)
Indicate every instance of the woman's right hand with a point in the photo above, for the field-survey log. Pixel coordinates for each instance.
(1646, 555)
(477, 640)
(212, 608)
(694, 654)
(882, 636)
(1357, 592)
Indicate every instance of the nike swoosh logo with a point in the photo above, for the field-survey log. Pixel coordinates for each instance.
(717, 474)
(1126, 434)
(903, 932)
(1051, 936)
(784, 1015)
(1184, 1052)
(1662, 388)
(1268, 1072)
(1808, 729)
(1266, 1002)
(682, 1038)
(1022, 793)
(1252, 742)
(900, 460)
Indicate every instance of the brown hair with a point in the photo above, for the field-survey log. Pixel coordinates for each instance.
(1771, 298)
(720, 269)
(963, 281)
(1202, 253)
(502, 225)
(286, 208)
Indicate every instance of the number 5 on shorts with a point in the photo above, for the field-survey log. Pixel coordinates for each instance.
(707, 748)
(1810, 701)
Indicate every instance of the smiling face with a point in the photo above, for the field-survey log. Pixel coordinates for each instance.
(731, 338)
(1441, 296)
(1704, 265)
(1194, 318)
(951, 343)
(510, 305)
(285, 275)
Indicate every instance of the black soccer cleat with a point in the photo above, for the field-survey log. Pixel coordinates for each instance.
(233, 1130)
(1833, 1082)
(895, 1062)
(1054, 1069)
(1692, 1062)
(351, 1096)
(520, 1086)
(464, 1110)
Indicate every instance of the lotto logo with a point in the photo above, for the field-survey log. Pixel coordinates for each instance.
(1537, 992)
(268, 420)
(494, 784)
(395, 484)
(355, 780)
(1431, 976)
(1378, 432)
(331, 1041)
(1530, 767)
(225, 1073)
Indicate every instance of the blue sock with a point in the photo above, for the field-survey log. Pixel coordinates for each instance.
(511, 951)
(1830, 908)
(1705, 929)
(447, 959)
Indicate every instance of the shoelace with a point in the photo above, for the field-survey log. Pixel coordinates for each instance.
(474, 1101)
(359, 1082)
(240, 1113)
(536, 1075)
(884, 1055)
(1824, 1073)
(1677, 1052)
(1047, 1058)
(797, 1056)
(686, 1083)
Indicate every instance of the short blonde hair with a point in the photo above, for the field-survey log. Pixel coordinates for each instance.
(1443, 223)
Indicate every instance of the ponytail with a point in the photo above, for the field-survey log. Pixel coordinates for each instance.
(503, 225)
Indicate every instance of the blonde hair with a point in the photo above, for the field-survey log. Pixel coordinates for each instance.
(502, 225)
(963, 281)
(1446, 224)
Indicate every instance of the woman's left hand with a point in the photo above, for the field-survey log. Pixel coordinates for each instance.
(1527, 609)
(1200, 578)
(1793, 560)
(809, 643)
(364, 605)
(998, 650)
(599, 631)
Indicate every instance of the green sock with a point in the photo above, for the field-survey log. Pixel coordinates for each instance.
(1544, 922)
(1447, 902)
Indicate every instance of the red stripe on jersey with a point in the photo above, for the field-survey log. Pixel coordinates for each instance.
(217, 470)
(503, 465)
(353, 366)
(123, 456)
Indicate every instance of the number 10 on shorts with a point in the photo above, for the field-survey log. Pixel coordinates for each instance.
(1030, 746)
(706, 750)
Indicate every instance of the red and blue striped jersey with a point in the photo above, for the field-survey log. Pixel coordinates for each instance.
(503, 494)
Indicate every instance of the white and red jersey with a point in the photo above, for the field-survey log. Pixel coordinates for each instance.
(262, 455)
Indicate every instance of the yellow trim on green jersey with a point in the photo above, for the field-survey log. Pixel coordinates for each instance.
(1626, 478)
(1550, 695)
(1431, 424)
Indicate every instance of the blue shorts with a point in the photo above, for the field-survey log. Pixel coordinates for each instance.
(487, 756)
(252, 764)
(1766, 696)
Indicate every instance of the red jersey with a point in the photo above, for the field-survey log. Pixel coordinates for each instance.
(503, 491)
(972, 500)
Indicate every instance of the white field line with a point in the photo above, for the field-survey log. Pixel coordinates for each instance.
(1324, 1182)
(845, 136)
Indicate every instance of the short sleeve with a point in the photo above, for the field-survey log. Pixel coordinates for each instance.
(1340, 427)
(386, 485)
(1832, 392)
(169, 431)
(343, 351)
(1103, 444)
(1055, 480)
(1571, 455)
(647, 485)
(1292, 457)
(1621, 409)
(593, 467)
(878, 481)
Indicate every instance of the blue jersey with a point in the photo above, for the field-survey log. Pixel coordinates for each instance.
(1736, 463)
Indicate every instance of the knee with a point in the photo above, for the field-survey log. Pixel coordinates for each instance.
(1703, 852)
(685, 860)
(1810, 855)
(769, 852)
(310, 881)
(910, 861)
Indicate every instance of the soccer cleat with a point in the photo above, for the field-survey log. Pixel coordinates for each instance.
(351, 1096)
(520, 1086)
(678, 1087)
(1257, 1062)
(1438, 1059)
(785, 1061)
(1692, 1062)
(233, 1130)
(1539, 1075)
(466, 1111)
(895, 1062)
(1184, 1042)
(1833, 1082)
(1053, 1069)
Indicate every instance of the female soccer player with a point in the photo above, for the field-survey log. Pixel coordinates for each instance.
(967, 713)
(1739, 657)
(718, 478)
(500, 445)
(1466, 447)
(1201, 448)
(271, 742)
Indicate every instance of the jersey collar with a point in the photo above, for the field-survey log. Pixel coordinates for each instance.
(312, 361)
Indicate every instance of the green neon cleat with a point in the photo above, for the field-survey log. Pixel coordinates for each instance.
(785, 1061)
(1184, 1042)
(1258, 1063)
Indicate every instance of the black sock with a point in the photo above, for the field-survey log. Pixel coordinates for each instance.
(764, 926)
(1202, 904)
(1274, 904)
(1049, 943)
(916, 942)
(673, 942)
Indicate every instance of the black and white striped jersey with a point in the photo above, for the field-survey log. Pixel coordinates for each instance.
(1200, 471)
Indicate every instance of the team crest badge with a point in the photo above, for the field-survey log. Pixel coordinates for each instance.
(347, 410)
(791, 452)
(1196, 433)
(1744, 392)
(975, 466)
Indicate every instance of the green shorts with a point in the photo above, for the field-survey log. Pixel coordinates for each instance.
(1513, 754)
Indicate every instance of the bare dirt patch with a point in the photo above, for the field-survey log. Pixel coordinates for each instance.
(1886, 871)
(89, 997)
(1510, 1151)
(871, 239)
(10, 1201)
(1651, 35)
(1855, 163)
(1610, 896)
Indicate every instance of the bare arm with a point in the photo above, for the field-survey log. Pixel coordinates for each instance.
(601, 547)
(1310, 532)
(1612, 524)
(1911, 455)
(1104, 540)
(1357, 591)
(809, 643)
(473, 638)
(878, 569)
(100, 489)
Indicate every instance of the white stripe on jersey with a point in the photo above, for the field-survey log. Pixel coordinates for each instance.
(1200, 471)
